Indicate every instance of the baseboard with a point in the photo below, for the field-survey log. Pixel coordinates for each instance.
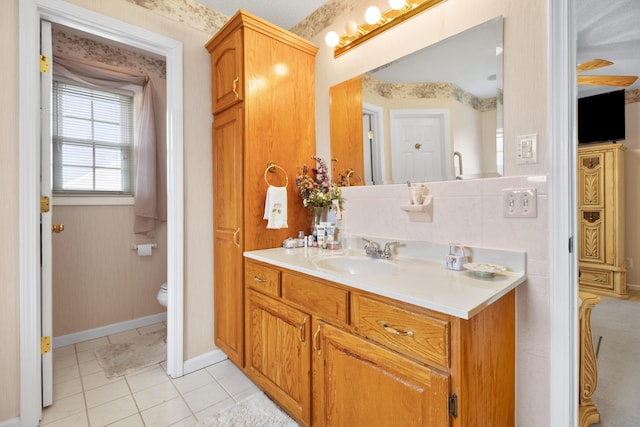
(103, 331)
(204, 360)
(633, 287)
(13, 422)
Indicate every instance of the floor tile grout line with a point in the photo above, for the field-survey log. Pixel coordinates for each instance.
(84, 395)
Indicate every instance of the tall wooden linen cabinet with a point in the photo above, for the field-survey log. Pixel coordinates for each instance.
(262, 80)
(601, 219)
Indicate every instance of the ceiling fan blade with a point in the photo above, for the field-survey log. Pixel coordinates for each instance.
(622, 81)
(593, 64)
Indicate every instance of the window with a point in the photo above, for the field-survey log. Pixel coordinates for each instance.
(92, 140)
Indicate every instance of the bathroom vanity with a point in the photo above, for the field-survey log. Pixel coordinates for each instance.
(400, 342)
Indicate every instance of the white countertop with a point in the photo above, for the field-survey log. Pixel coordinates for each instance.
(422, 282)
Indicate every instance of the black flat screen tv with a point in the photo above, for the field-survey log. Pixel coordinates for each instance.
(601, 117)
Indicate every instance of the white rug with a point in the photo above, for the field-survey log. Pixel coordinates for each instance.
(132, 354)
(616, 395)
(255, 411)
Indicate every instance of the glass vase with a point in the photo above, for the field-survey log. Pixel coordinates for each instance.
(318, 215)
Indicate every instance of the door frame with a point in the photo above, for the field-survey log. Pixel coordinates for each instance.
(563, 265)
(377, 155)
(30, 14)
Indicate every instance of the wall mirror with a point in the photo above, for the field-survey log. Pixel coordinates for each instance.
(433, 115)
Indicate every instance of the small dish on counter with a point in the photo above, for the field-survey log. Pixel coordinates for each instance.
(484, 270)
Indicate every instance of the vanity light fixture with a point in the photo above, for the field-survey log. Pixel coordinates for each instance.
(375, 23)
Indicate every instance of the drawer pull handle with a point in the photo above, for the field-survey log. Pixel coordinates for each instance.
(316, 343)
(235, 87)
(394, 331)
(258, 279)
(301, 330)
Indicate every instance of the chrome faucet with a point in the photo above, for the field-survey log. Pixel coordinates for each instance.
(457, 153)
(373, 248)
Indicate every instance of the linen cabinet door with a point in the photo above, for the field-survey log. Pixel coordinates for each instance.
(278, 355)
(358, 383)
(228, 285)
(227, 76)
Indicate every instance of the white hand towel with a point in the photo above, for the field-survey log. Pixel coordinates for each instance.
(275, 207)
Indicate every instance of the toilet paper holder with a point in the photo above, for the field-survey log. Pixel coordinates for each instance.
(144, 249)
(135, 245)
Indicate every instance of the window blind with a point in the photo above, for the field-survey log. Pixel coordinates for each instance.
(92, 140)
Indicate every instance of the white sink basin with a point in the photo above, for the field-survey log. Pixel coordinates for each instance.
(356, 265)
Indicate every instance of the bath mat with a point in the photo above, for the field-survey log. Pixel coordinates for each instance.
(256, 410)
(132, 354)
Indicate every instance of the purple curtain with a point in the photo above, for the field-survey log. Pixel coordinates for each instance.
(150, 172)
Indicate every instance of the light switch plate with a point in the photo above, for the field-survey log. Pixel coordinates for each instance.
(527, 146)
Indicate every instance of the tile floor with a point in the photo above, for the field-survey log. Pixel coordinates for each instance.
(83, 396)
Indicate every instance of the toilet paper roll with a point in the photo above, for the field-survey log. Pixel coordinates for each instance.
(145, 249)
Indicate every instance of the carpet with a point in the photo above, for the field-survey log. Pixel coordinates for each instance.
(616, 396)
(132, 354)
(256, 410)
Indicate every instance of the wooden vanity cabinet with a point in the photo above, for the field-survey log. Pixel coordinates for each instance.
(332, 355)
(263, 105)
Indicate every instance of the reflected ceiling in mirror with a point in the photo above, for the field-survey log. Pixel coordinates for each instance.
(435, 114)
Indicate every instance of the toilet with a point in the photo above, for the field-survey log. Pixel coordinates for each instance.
(162, 295)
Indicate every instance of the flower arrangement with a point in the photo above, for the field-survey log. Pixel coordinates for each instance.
(317, 191)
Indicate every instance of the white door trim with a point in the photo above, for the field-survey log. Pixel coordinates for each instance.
(378, 153)
(563, 287)
(30, 13)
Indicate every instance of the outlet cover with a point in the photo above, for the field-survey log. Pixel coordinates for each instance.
(520, 203)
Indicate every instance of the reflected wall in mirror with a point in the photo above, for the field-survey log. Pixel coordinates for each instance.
(433, 115)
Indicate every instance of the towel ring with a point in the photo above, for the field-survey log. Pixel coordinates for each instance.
(271, 167)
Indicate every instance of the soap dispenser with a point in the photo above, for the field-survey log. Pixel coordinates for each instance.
(456, 257)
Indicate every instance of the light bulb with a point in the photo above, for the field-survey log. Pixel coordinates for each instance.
(396, 4)
(351, 28)
(372, 15)
(332, 39)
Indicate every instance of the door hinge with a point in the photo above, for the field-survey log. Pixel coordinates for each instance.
(44, 204)
(453, 405)
(571, 244)
(44, 64)
(45, 345)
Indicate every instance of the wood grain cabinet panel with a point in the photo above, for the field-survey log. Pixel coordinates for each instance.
(357, 383)
(328, 301)
(278, 355)
(262, 278)
(601, 219)
(419, 336)
(263, 102)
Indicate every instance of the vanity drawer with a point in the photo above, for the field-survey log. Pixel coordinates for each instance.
(320, 298)
(262, 278)
(419, 336)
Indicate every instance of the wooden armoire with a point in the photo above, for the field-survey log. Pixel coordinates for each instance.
(601, 219)
(263, 98)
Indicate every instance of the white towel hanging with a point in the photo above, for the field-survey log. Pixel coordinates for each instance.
(275, 207)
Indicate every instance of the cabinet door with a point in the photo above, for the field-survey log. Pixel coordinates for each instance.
(278, 355)
(358, 383)
(227, 72)
(227, 244)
